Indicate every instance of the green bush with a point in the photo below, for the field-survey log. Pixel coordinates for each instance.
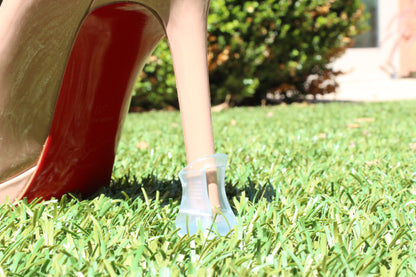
(156, 87)
(263, 47)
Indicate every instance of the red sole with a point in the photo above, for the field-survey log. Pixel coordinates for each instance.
(112, 46)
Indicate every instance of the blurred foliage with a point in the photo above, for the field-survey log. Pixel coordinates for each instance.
(156, 86)
(280, 47)
(262, 48)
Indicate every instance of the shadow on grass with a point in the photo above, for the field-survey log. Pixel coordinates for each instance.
(313, 101)
(168, 190)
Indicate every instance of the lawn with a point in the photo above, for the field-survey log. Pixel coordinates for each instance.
(325, 189)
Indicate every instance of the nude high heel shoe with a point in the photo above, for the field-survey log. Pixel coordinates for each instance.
(66, 72)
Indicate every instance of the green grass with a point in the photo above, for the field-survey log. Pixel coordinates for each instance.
(327, 190)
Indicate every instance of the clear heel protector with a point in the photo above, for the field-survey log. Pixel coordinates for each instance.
(195, 211)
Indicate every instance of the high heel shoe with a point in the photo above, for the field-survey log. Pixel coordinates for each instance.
(66, 72)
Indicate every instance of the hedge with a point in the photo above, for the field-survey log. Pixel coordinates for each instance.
(261, 48)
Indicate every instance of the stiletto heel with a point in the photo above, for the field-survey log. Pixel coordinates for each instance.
(195, 211)
(66, 73)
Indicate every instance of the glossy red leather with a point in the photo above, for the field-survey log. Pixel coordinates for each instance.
(112, 46)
